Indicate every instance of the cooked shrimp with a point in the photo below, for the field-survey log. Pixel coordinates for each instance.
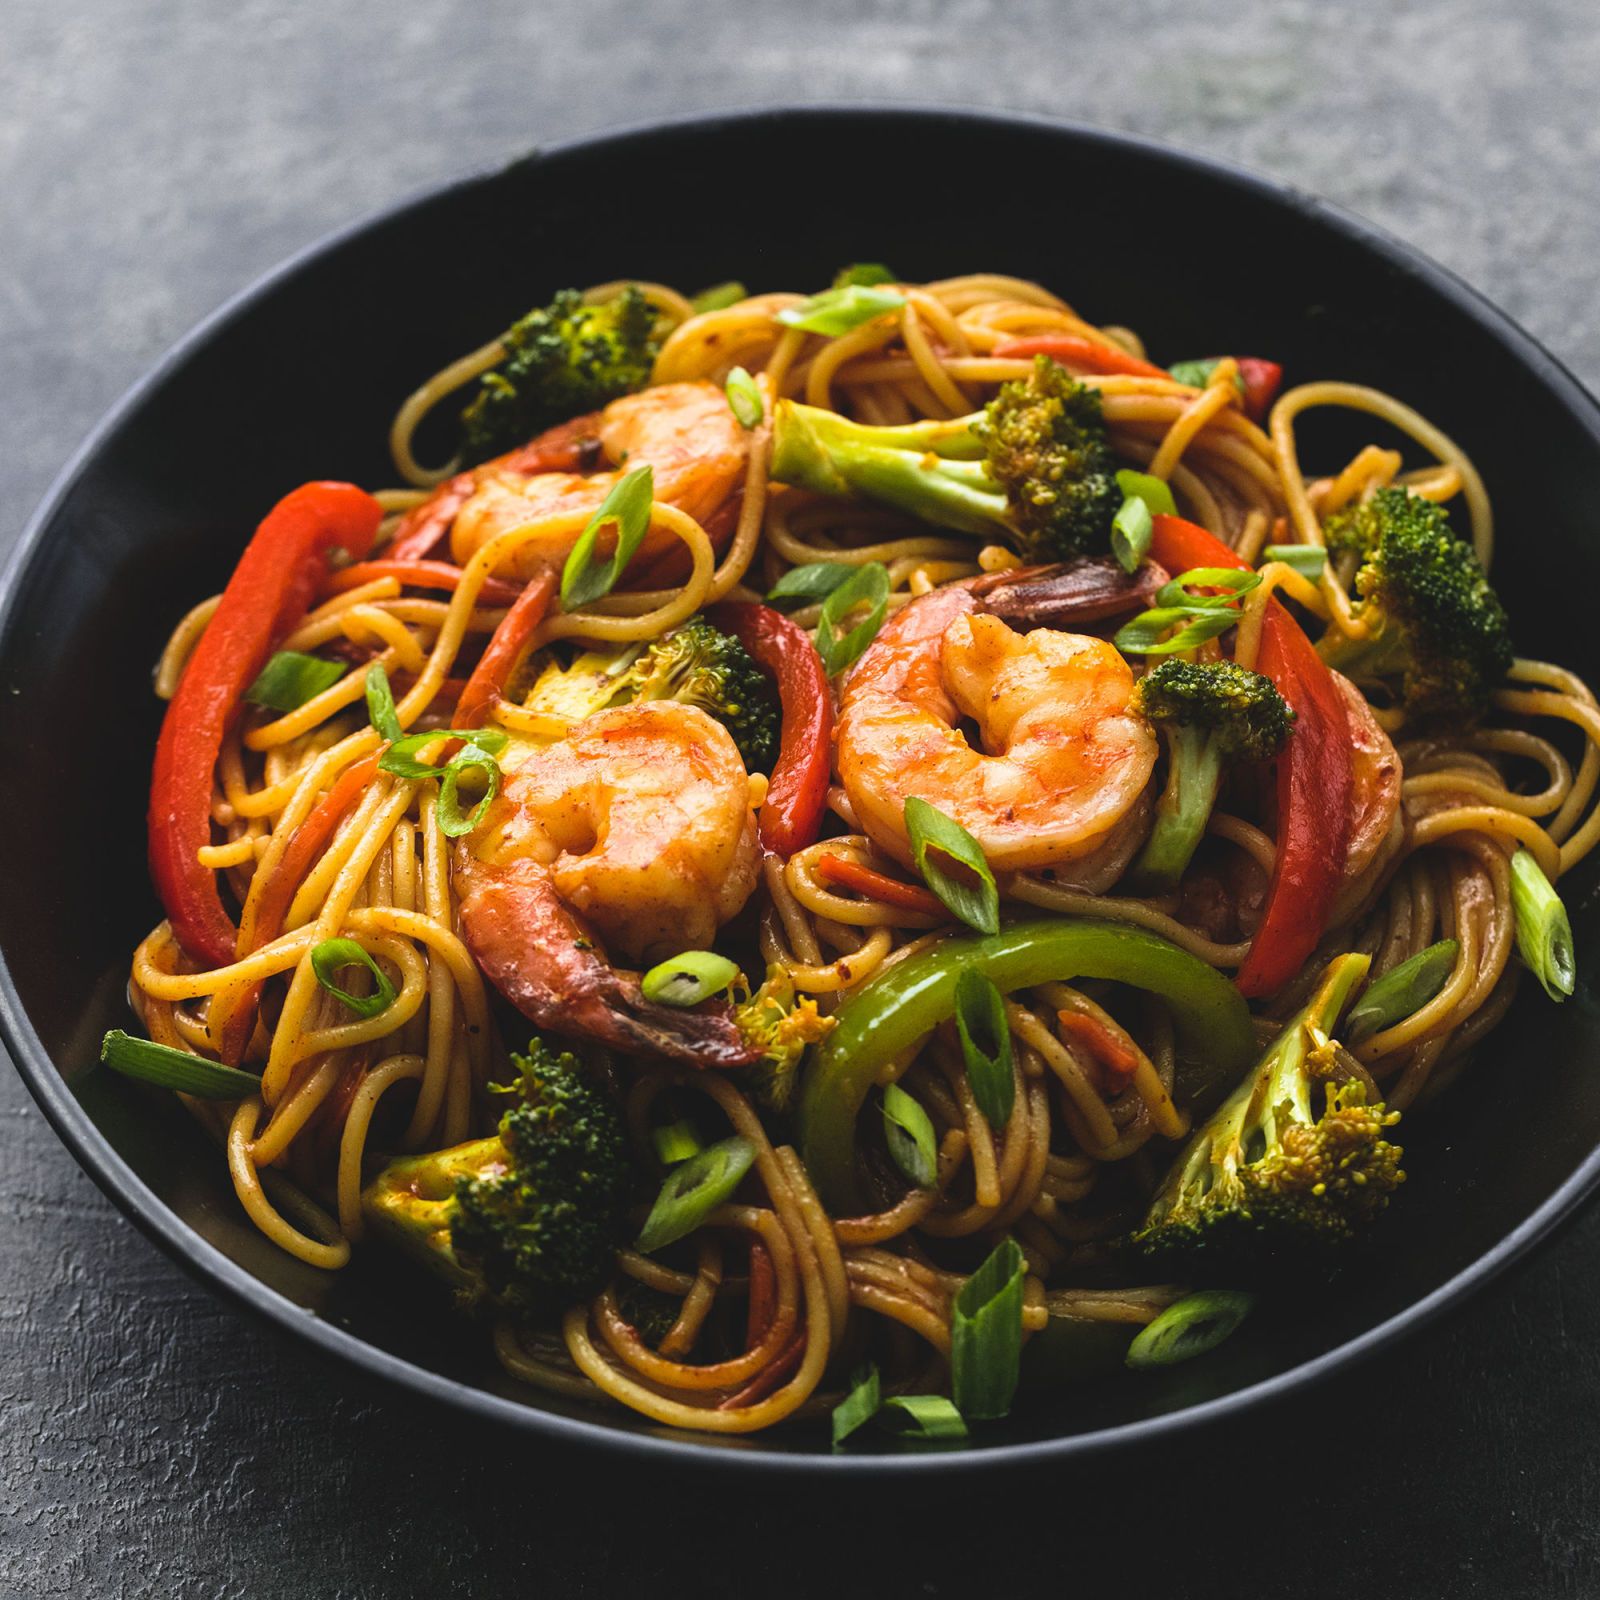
(1062, 760)
(635, 830)
(684, 431)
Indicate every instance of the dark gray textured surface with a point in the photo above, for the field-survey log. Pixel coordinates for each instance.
(155, 157)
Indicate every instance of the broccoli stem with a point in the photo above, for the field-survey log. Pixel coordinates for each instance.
(1279, 1085)
(1375, 656)
(934, 470)
(1194, 774)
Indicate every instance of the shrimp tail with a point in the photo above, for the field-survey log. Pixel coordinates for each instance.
(1069, 595)
(553, 970)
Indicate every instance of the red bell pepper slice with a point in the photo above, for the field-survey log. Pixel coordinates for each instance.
(791, 815)
(1313, 781)
(504, 652)
(1261, 380)
(848, 874)
(280, 571)
(1078, 354)
(1116, 1059)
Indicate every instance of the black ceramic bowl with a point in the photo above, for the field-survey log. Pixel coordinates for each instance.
(298, 378)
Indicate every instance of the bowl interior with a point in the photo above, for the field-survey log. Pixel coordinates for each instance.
(300, 380)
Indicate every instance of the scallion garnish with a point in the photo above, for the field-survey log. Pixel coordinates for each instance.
(908, 1132)
(1131, 531)
(933, 835)
(986, 1045)
(922, 1416)
(1401, 991)
(291, 678)
(1306, 559)
(719, 297)
(1544, 933)
(865, 274)
(868, 585)
(1190, 1327)
(453, 821)
(694, 1190)
(814, 581)
(1231, 580)
(744, 397)
(687, 979)
(675, 1141)
(583, 579)
(837, 311)
(1145, 497)
(380, 705)
(401, 756)
(167, 1068)
(986, 1334)
(858, 1407)
(1198, 373)
(1197, 617)
(333, 956)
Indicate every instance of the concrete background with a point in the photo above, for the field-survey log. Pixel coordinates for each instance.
(156, 157)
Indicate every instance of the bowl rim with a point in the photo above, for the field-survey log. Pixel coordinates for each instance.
(216, 1270)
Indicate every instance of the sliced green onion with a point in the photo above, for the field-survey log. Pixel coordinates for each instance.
(1544, 934)
(1131, 531)
(866, 274)
(909, 1134)
(687, 979)
(401, 757)
(925, 1416)
(719, 297)
(1155, 492)
(1190, 1327)
(676, 1141)
(986, 1334)
(1195, 373)
(858, 1407)
(453, 822)
(333, 956)
(167, 1068)
(694, 1190)
(1198, 373)
(930, 830)
(837, 311)
(1400, 992)
(1230, 579)
(744, 397)
(869, 586)
(583, 579)
(986, 1045)
(814, 581)
(291, 678)
(1149, 632)
(1306, 559)
(1202, 616)
(380, 704)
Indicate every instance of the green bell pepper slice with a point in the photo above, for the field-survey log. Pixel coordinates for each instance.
(893, 1011)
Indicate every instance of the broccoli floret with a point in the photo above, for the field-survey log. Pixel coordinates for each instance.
(1270, 1178)
(529, 1218)
(1439, 630)
(561, 360)
(1213, 712)
(695, 664)
(780, 1023)
(1034, 466)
